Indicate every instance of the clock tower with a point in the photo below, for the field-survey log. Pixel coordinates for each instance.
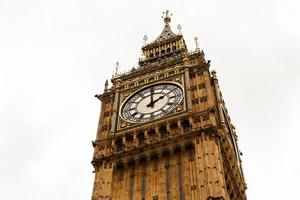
(164, 132)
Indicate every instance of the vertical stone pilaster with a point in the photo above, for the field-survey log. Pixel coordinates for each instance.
(187, 85)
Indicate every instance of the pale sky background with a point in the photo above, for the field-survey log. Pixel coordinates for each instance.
(55, 56)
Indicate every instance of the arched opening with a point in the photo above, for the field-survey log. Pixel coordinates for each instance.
(129, 140)
(186, 125)
(141, 138)
(119, 145)
(174, 125)
(163, 131)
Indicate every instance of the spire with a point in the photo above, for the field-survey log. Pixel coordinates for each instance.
(167, 32)
(196, 43)
(105, 85)
(165, 45)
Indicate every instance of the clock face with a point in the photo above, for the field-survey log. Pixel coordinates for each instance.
(151, 103)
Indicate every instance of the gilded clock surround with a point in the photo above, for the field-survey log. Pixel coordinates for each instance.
(189, 154)
(148, 86)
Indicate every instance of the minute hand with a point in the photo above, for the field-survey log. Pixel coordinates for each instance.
(159, 98)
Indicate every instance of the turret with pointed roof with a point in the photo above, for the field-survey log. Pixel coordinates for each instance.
(165, 45)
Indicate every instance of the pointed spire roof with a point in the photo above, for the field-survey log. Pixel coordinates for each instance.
(165, 45)
(167, 32)
(166, 35)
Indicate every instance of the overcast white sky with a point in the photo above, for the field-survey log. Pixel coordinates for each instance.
(55, 55)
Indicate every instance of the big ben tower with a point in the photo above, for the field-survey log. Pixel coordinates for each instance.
(164, 132)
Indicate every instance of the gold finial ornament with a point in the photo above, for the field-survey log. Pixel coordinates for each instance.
(179, 27)
(106, 85)
(145, 38)
(117, 68)
(196, 43)
(167, 17)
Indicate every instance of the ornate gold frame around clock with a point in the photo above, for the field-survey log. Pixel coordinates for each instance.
(146, 86)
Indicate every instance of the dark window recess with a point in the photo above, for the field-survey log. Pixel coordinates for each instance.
(205, 117)
(129, 138)
(141, 138)
(201, 85)
(155, 197)
(163, 131)
(120, 171)
(155, 163)
(193, 187)
(106, 114)
(191, 156)
(195, 101)
(151, 132)
(174, 125)
(192, 75)
(197, 119)
(199, 73)
(186, 125)
(105, 127)
(194, 87)
(119, 145)
(203, 99)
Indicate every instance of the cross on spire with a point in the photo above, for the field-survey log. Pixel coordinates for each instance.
(167, 17)
(116, 68)
(145, 38)
(196, 43)
(179, 27)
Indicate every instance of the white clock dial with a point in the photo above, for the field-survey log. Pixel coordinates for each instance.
(151, 103)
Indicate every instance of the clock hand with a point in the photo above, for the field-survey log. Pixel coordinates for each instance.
(151, 104)
(151, 98)
(159, 98)
(151, 95)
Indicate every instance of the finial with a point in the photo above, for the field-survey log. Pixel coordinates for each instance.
(145, 38)
(117, 68)
(167, 17)
(105, 85)
(196, 43)
(214, 73)
(179, 27)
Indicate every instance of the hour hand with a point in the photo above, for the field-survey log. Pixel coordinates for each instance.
(151, 95)
(151, 104)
